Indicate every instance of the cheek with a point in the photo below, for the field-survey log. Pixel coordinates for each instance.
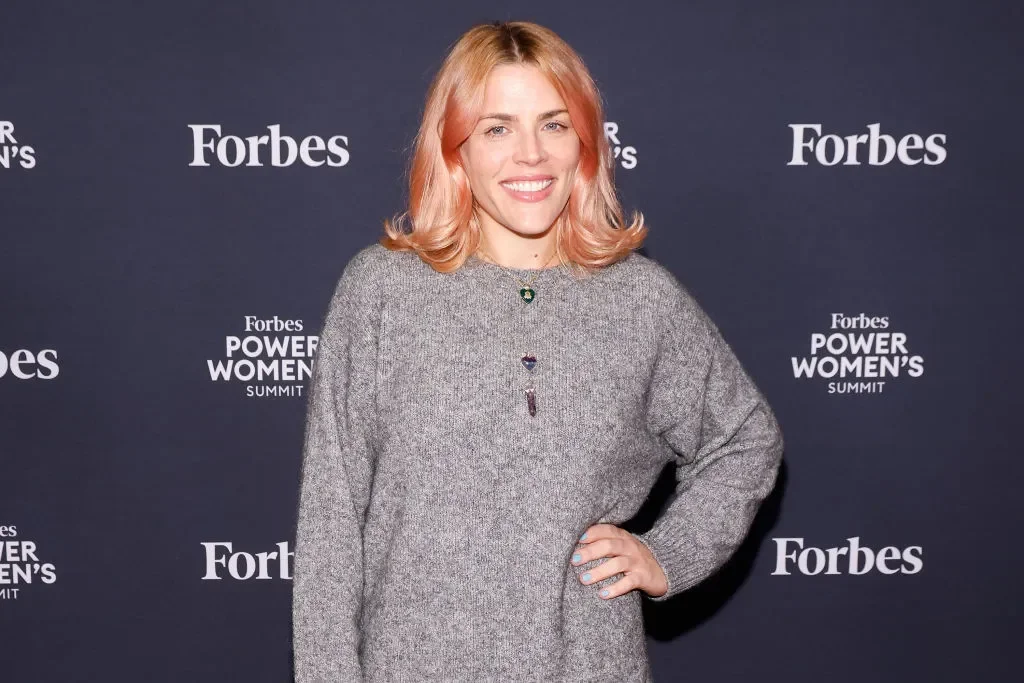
(484, 164)
(567, 153)
(494, 160)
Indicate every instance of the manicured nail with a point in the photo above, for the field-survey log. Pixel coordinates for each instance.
(586, 577)
(576, 557)
(604, 593)
(584, 536)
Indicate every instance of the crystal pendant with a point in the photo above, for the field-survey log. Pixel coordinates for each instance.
(529, 362)
(531, 401)
(527, 294)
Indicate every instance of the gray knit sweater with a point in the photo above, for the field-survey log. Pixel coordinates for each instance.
(437, 516)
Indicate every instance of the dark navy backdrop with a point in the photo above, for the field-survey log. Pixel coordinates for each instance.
(127, 272)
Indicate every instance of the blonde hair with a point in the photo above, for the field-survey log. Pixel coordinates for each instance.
(444, 230)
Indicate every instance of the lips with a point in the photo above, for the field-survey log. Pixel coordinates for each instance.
(529, 190)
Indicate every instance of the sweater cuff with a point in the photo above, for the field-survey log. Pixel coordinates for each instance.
(677, 557)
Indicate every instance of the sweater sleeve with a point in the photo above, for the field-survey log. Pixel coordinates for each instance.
(336, 476)
(726, 441)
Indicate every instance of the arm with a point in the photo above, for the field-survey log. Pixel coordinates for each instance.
(726, 442)
(337, 472)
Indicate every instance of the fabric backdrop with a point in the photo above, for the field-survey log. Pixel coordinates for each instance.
(839, 185)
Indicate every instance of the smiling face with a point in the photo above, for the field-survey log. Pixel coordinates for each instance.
(522, 155)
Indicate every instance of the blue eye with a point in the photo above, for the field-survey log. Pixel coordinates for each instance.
(490, 132)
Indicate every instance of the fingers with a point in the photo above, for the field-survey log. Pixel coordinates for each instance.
(604, 570)
(608, 544)
(600, 531)
(618, 587)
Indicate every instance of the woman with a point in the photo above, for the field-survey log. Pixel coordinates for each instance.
(498, 385)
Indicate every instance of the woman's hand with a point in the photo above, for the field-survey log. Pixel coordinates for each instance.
(626, 554)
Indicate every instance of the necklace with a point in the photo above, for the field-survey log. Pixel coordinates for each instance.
(527, 294)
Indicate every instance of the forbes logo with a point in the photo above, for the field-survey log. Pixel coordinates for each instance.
(221, 560)
(855, 559)
(24, 364)
(208, 144)
(880, 149)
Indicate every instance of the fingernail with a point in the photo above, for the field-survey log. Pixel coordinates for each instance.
(576, 557)
(586, 577)
(584, 536)
(604, 593)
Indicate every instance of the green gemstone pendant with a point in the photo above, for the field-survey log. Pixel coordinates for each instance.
(527, 294)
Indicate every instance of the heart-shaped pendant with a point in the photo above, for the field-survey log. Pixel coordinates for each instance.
(529, 362)
(527, 294)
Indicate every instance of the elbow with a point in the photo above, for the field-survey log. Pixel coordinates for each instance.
(775, 443)
(771, 443)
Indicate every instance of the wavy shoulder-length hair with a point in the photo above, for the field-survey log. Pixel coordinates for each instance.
(440, 223)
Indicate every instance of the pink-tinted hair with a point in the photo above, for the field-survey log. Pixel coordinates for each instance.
(443, 229)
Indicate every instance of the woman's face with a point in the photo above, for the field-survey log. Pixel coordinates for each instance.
(522, 155)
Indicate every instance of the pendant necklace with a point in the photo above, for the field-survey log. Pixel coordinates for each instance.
(528, 295)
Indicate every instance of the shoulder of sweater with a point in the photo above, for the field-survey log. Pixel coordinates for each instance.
(360, 278)
(667, 290)
(370, 261)
(369, 269)
(682, 318)
(355, 303)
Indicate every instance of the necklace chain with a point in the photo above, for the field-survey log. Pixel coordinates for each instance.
(527, 283)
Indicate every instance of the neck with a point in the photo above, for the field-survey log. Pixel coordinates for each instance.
(518, 252)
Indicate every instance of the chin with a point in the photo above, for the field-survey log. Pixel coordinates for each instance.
(533, 227)
(534, 223)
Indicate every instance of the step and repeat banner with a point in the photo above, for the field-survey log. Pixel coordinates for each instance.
(181, 183)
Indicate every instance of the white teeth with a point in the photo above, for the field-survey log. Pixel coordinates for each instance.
(534, 186)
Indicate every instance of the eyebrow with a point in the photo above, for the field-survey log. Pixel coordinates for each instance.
(510, 117)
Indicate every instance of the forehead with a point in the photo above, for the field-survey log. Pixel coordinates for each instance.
(519, 88)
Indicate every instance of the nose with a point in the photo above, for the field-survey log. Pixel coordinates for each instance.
(529, 149)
